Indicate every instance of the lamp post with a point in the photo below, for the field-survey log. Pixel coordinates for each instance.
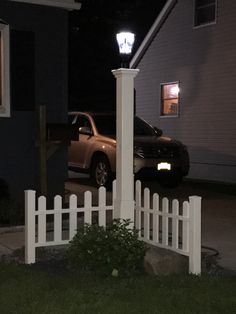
(124, 199)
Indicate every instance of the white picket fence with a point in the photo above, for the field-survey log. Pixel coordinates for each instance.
(36, 213)
(168, 225)
(175, 227)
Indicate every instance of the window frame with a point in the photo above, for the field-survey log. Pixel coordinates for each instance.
(204, 24)
(5, 106)
(161, 101)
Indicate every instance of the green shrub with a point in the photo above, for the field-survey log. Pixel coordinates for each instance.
(112, 250)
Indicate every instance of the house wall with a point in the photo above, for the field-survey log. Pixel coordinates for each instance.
(38, 76)
(203, 61)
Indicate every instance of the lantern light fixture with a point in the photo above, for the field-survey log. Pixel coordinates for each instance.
(125, 42)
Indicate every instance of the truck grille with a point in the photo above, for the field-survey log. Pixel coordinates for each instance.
(159, 152)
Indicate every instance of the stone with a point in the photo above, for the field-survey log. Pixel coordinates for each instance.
(159, 261)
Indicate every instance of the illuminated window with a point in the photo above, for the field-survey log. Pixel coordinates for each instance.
(205, 12)
(4, 71)
(170, 99)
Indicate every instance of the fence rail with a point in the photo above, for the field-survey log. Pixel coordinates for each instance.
(162, 223)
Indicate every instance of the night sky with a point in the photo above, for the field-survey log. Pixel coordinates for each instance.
(93, 51)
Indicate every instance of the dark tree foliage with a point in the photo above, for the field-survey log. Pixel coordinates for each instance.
(93, 50)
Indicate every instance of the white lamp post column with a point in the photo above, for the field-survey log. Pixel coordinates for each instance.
(124, 201)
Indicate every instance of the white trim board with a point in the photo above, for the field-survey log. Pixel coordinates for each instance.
(5, 105)
(64, 4)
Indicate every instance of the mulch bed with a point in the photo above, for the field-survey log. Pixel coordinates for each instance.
(54, 261)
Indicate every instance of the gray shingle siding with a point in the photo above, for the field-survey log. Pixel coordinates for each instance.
(203, 61)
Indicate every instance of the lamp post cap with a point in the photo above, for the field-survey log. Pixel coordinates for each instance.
(125, 71)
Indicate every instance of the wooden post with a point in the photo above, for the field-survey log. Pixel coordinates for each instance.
(42, 150)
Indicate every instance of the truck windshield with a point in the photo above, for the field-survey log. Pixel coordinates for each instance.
(106, 125)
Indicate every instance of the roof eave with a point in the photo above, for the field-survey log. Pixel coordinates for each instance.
(152, 32)
(54, 3)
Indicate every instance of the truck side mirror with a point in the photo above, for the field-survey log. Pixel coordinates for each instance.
(85, 130)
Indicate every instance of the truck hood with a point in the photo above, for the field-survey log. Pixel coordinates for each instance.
(148, 141)
(155, 141)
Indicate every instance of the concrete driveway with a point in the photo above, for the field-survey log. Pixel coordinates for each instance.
(218, 211)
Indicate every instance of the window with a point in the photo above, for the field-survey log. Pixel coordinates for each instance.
(4, 71)
(83, 121)
(205, 12)
(170, 99)
(22, 70)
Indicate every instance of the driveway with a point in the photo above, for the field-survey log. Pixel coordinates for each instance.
(218, 211)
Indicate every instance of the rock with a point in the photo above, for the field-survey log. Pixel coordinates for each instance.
(158, 261)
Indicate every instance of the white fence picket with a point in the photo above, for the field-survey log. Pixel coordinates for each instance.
(72, 216)
(138, 193)
(185, 227)
(175, 224)
(42, 219)
(165, 224)
(57, 218)
(146, 224)
(113, 191)
(102, 206)
(88, 207)
(138, 207)
(155, 218)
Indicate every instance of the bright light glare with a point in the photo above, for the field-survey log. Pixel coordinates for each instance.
(164, 166)
(125, 42)
(174, 91)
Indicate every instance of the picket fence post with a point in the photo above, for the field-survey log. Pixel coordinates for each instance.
(30, 226)
(195, 235)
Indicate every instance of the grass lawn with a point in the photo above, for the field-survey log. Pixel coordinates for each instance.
(24, 289)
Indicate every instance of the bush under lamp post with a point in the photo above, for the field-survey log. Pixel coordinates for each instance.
(124, 199)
